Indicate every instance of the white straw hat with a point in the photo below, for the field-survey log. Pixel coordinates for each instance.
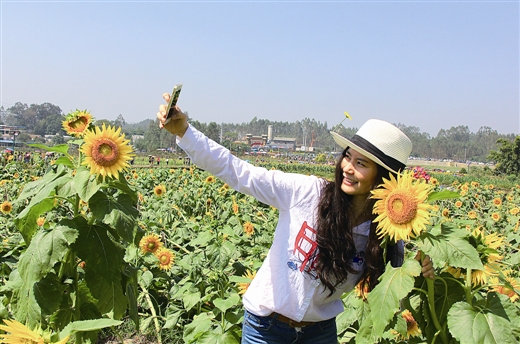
(381, 142)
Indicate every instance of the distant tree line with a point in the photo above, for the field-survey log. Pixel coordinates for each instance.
(457, 143)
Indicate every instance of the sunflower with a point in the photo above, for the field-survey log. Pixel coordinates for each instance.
(40, 221)
(106, 151)
(458, 204)
(514, 211)
(497, 202)
(210, 179)
(77, 123)
(401, 208)
(362, 289)
(446, 212)
(150, 243)
(495, 216)
(235, 208)
(6, 207)
(487, 247)
(455, 272)
(412, 328)
(165, 257)
(242, 287)
(249, 229)
(472, 214)
(508, 288)
(159, 190)
(19, 333)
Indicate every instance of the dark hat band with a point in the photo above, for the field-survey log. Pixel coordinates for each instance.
(362, 143)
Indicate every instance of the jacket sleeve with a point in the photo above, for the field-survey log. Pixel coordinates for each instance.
(272, 187)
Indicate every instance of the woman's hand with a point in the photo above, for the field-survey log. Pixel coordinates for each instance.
(427, 266)
(178, 123)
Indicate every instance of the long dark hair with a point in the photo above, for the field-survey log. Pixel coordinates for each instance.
(335, 236)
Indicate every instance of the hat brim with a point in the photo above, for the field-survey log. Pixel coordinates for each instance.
(344, 143)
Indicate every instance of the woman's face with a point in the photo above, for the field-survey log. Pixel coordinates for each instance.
(359, 174)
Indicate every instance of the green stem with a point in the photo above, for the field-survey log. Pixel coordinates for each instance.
(467, 287)
(77, 305)
(154, 315)
(431, 304)
(179, 246)
(76, 205)
(118, 334)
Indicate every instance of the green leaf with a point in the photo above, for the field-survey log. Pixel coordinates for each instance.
(41, 192)
(26, 220)
(119, 213)
(395, 284)
(145, 323)
(131, 293)
(122, 185)
(470, 325)
(61, 148)
(441, 195)
(202, 239)
(351, 313)
(215, 337)
(366, 333)
(88, 325)
(456, 252)
(190, 299)
(200, 325)
(45, 250)
(172, 319)
(48, 293)
(104, 261)
(86, 184)
(63, 160)
(225, 304)
(146, 278)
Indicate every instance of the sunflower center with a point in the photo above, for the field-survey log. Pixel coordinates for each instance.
(401, 207)
(165, 259)
(151, 245)
(79, 124)
(105, 152)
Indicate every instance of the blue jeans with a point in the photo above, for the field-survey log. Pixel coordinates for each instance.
(268, 330)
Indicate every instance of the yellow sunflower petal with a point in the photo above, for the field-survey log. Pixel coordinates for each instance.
(400, 207)
(150, 243)
(166, 258)
(19, 333)
(6, 207)
(107, 153)
(77, 123)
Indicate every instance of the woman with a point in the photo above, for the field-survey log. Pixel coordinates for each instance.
(324, 242)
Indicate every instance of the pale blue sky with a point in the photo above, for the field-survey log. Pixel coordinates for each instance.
(432, 65)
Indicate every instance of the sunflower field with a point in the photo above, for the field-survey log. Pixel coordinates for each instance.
(93, 250)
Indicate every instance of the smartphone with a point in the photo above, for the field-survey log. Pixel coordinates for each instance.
(173, 100)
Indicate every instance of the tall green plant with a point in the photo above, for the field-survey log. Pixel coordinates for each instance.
(458, 305)
(73, 270)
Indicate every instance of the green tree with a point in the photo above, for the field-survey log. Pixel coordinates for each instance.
(507, 158)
